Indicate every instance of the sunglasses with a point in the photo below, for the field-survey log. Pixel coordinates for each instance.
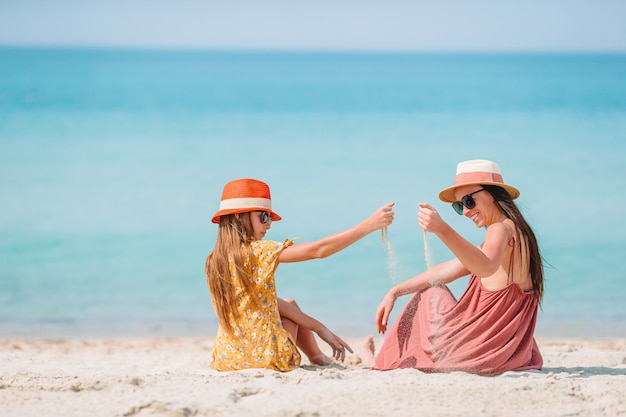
(265, 218)
(467, 201)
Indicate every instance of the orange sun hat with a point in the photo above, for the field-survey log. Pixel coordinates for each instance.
(245, 195)
(477, 172)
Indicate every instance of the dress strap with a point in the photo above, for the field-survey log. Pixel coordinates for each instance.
(511, 259)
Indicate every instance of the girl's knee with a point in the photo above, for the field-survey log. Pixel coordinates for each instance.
(291, 301)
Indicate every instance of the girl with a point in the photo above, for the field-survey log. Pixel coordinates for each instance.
(256, 329)
(490, 329)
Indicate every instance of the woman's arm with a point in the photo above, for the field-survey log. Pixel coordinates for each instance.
(482, 261)
(332, 244)
(440, 274)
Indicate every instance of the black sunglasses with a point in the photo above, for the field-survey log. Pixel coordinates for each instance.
(265, 218)
(467, 201)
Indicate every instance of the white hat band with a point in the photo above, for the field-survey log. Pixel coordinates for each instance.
(242, 203)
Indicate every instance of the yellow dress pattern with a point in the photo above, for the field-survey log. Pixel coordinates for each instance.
(259, 339)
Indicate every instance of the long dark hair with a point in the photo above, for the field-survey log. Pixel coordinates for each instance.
(511, 211)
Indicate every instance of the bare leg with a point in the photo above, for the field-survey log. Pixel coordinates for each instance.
(367, 352)
(305, 339)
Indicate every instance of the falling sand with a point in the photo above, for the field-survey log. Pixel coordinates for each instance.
(392, 260)
(395, 277)
(427, 256)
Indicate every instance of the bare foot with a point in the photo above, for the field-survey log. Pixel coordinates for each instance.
(367, 352)
(321, 360)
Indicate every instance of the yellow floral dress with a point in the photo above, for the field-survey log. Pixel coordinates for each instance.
(259, 339)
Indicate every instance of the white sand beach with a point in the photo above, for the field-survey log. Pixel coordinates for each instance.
(171, 377)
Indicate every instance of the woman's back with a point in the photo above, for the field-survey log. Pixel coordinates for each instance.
(514, 266)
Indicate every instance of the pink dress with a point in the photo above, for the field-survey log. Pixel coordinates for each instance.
(484, 332)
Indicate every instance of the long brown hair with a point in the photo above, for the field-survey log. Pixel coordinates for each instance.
(510, 210)
(234, 235)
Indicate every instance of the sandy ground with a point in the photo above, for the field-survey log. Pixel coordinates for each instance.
(172, 377)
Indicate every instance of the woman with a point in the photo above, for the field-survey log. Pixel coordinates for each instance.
(257, 329)
(490, 329)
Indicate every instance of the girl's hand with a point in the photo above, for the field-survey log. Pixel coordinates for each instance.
(335, 342)
(383, 311)
(429, 219)
(383, 217)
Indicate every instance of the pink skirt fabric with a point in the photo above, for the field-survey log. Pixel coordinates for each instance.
(484, 332)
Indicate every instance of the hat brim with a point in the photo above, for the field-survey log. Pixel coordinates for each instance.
(447, 195)
(216, 217)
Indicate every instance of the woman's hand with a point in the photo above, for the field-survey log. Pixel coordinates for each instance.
(429, 219)
(335, 342)
(383, 311)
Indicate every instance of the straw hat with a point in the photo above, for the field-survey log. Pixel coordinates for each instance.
(479, 172)
(245, 195)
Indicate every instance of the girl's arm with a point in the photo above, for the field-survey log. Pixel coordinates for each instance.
(296, 315)
(482, 261)
(440, 274)
(329, 245)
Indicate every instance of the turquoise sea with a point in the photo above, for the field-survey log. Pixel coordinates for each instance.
(113, 161)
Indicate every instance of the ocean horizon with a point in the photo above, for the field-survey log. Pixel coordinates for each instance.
(112, 163)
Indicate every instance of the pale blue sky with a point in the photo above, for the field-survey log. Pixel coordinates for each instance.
(436, 25)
